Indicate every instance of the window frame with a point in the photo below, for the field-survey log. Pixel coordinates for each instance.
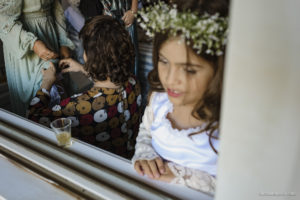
(102, 165)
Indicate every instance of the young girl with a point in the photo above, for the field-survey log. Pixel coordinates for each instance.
(178, 138)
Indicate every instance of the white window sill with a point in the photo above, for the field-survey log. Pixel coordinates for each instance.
(103, 166)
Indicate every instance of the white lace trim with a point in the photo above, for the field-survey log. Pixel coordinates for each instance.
(143, 148)
(143, 152)
(164, 120)
(192, 178)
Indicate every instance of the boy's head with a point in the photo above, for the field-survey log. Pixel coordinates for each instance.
(109, 52)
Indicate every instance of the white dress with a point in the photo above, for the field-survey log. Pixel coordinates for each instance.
(190, 158)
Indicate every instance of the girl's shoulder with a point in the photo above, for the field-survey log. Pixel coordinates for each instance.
(158, 100)
(160, 105)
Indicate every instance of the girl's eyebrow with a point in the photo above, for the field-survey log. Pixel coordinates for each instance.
(181, 64)
(160, 55)
(188, 65)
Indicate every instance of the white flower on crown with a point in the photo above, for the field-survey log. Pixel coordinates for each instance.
(207, 30)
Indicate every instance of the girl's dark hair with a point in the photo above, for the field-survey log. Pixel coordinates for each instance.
(108, 48)
(208, 108)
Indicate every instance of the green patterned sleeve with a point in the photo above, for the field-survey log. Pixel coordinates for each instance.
(61, 25)
(12, 33)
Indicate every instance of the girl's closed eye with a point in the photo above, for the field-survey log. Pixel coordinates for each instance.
(163, 60)
(190, 70)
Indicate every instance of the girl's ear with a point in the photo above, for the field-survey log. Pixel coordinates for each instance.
(84, 57)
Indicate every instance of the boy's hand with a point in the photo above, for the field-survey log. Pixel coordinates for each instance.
(48, 77)
(154, 169)
(72, 66)
(64, 52)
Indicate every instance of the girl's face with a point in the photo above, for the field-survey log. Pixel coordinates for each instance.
(184, 75)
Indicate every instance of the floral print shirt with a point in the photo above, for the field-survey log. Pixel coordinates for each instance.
(106, 118)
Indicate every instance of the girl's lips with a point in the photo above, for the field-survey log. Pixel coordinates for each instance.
(173, 93)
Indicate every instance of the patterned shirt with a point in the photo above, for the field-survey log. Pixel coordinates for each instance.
(106, 118)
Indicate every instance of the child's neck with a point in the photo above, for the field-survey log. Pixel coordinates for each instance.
(105, 84)
(181, 118)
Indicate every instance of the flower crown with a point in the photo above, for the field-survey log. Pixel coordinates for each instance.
(207, 31)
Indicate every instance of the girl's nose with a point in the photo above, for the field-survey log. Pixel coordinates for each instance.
(173, 76)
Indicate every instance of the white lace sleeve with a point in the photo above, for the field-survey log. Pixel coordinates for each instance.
(193, 178)
(143, 147)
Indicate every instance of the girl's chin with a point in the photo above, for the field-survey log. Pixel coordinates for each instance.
(176, 101)
(179, 102)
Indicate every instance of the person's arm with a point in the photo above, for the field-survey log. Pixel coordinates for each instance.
(143, 147)
(75, 18)
(39, 110)
(39, 107)
(129, 15)
(192, 178)
(134, 6)
(64, 41)
(188, 177)
(12, 33)
(70, 65)
(48, 77)
(73, 14)
(145, 160)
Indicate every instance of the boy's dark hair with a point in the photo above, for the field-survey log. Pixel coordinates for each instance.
(108, 48)
(90, 8)
(208, 108)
